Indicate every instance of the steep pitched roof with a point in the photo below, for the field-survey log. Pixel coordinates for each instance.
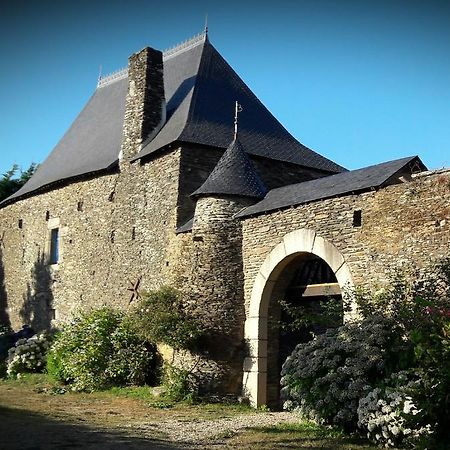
(91, 144)
(354, 181)
(200, 89)
(203, 117)
(234, 174)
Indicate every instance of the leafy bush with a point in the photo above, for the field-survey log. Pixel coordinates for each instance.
(99, 349)
(27, 355)
(325, 378)
(6, 342)
(419, 303)
(179, 384)
(162, 318)
(347, 373)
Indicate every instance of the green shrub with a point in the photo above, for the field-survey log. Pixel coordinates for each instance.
(179, 385)
(161, 317)
(345, 373)
(6, 342)
(390, 414)
(99, 349)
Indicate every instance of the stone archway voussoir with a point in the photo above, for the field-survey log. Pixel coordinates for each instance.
(329, 253)
(272, 260)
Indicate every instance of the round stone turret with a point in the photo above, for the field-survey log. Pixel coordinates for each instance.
(217, 280)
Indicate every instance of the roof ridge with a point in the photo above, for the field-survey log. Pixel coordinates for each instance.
(185, 45)
(167, 54)
(114, 76)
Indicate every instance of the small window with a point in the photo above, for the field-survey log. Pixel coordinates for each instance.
(47, 215)
(20, 223)
(357, 218)
(54, 246)
(80, 206)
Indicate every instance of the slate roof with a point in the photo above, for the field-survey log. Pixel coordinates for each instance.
(201, 90)
(204, 110)
(186, 227)
(354, 181)
(234, 174)
(91, 144)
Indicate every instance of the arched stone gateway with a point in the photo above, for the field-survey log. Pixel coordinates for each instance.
(293, 244)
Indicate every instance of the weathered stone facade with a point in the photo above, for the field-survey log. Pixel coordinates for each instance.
(112, 232)
(117, 234)
(401, 224)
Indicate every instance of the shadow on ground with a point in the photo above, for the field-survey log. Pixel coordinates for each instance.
(23, 430)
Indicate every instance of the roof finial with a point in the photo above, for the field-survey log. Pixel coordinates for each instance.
(99, 74)
(206, 24)
(237, 110)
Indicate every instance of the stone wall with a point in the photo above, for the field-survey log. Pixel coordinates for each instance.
(403, 223)
(217, 289)
(114, 229)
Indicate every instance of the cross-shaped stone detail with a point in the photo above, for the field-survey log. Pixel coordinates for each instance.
(134, 289)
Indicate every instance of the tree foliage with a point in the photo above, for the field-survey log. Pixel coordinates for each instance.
(12, 181)
(161, 317)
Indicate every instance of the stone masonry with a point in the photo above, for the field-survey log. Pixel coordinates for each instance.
(117, 231)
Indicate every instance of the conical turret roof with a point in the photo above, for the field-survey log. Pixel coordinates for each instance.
(234, 174)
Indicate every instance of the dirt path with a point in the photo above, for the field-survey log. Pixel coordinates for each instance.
(31, 420)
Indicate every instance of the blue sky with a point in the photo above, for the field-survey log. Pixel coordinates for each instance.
(360, 82)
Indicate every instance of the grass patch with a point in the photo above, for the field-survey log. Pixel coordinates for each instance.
(143, 393)
(303, 427)
(128, 409)
(299, 435)
(32, 380)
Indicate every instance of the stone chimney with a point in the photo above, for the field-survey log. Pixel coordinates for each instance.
(145, 110)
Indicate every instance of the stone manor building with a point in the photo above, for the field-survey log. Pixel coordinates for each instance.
(150, 186)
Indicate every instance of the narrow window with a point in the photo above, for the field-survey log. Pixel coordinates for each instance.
(20, 223)
(54, 246)
(47, 215)
(80, 206)
(357, 218)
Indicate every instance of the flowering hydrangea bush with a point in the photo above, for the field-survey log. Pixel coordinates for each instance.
(388, 373)
(392, 417)
(28, 355)
(325, 378)
(99, 349)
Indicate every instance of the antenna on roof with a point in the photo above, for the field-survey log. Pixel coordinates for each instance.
(237, 110)
(206, 24)
(99, 74)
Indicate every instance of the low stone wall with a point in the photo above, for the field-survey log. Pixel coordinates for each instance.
(402, 223)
